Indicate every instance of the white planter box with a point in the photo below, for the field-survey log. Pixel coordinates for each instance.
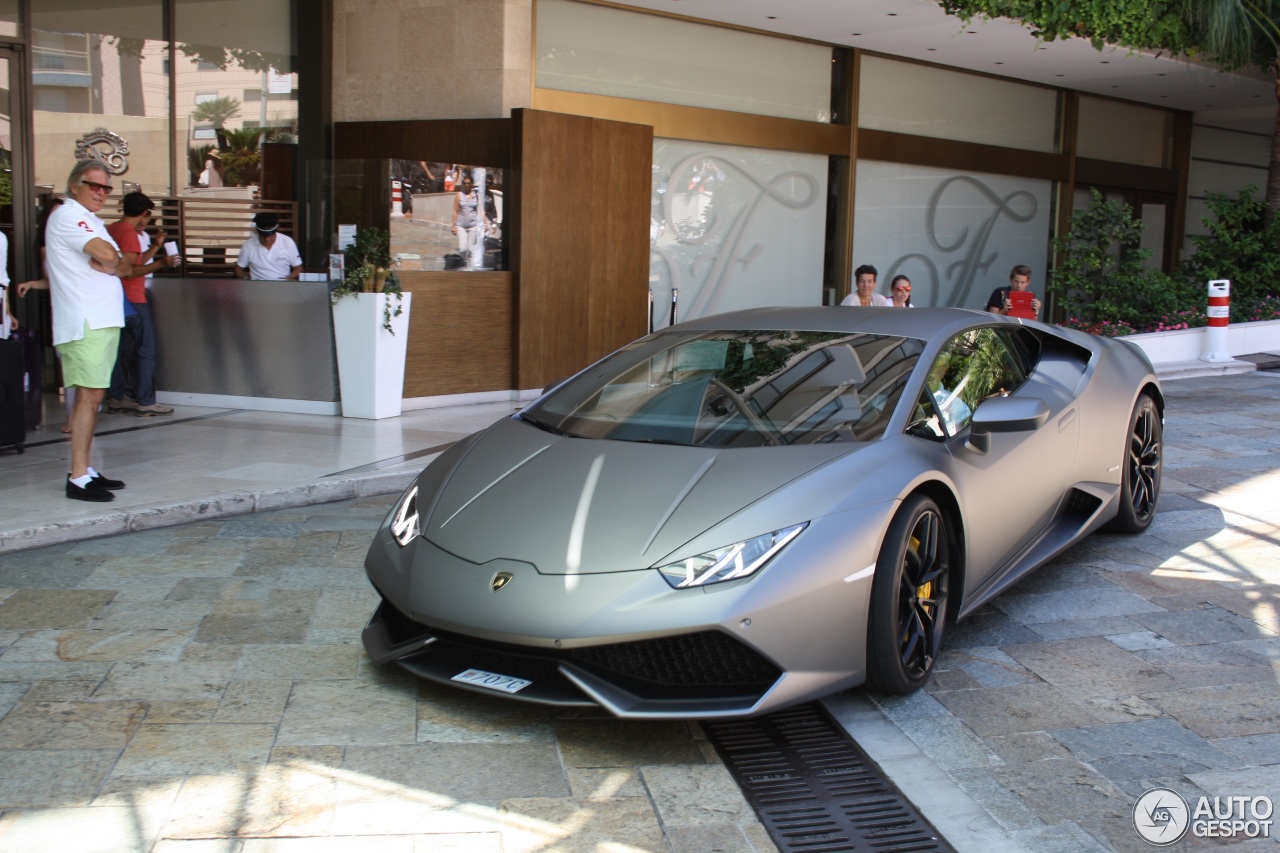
(370, 359)
(1189, 344)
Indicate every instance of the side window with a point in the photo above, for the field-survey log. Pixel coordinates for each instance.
(974, 365)
(1025, 347)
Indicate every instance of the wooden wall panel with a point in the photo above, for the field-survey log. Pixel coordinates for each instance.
(581, 250)
(619, 285)
(959, 156)
(459, 332)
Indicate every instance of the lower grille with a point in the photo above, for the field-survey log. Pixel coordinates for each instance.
(701, 665)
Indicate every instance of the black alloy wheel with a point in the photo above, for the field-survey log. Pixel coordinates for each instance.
(909, 598)
(1143, 465)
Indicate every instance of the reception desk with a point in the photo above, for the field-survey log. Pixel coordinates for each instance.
(229, 343)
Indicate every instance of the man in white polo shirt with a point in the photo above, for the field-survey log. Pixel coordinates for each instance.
(84, 266)
(268, 255)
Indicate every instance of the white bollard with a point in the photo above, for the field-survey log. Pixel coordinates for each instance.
(1219, 313)
(397, 200)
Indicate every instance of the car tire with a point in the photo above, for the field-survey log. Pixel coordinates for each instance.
(1143, 466)
(909, 598)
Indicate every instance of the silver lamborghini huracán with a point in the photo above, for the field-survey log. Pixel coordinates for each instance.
(751, 510)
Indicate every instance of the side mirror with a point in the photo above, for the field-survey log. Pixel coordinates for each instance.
(1005, 414)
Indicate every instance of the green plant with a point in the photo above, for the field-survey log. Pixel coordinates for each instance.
(241, 156)
(1242, 245)
(216, 111)
(1102, 273)
(369, 268)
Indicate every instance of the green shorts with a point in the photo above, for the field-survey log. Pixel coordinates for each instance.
(87, 363)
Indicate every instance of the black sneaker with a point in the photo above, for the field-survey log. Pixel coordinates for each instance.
(106, 483)
(88, 493)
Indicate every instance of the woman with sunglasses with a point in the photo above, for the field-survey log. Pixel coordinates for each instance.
(900, 291)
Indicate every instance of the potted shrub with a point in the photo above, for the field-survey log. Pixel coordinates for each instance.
(370, 332)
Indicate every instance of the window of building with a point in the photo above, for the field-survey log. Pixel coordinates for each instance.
(1124, 132)
(734, 227)
(602, 50)
(955, 235)
(923, 100)
(111, 78)
(250, 45)
(10, 18)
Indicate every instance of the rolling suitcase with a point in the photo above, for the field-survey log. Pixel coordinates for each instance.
(33, 375)
(13, 425)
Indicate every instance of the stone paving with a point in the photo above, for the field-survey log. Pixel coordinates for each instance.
(203, 688)
(1129, 662)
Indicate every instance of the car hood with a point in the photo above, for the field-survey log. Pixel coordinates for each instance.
(587, 506)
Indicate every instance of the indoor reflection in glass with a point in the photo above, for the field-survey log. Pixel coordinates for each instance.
(236, 90)
(116, 79)
(447, 216)
(737, 389)
(9, 18)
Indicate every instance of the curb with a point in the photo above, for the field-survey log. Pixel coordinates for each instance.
(213, 506)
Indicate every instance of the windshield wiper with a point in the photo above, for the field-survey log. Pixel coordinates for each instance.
(540, 424)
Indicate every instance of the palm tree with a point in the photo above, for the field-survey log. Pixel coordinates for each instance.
(1237, 34)
(216, 112)
(241, 156)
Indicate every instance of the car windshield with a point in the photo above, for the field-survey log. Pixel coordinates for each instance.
(736, 389)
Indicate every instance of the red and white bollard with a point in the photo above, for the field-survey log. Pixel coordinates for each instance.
(397, 200)
(1219, 313)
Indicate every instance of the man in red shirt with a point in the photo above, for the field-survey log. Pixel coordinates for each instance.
(138, 340)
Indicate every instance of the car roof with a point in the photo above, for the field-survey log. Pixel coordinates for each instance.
(922, 323)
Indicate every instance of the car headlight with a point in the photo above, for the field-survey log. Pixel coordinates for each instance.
(404, 521)
(731, 562)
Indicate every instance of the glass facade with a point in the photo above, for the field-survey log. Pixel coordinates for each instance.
(107, 89)
(10, 19)
(927, 101)
(734, 228)
(606, 51)
(1124, 133)
(152, 114)
(235, 86)
(956, 236)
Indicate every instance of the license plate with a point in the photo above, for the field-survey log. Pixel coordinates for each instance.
(480, 678)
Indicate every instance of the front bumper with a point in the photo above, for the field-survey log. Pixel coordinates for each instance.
(700, 674)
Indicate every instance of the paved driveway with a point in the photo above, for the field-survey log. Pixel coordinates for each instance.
(202, 688)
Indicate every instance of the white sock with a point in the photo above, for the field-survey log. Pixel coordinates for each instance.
(83, 482)
(92, 473)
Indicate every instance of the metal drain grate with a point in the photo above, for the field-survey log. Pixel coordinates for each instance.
(814, 788)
